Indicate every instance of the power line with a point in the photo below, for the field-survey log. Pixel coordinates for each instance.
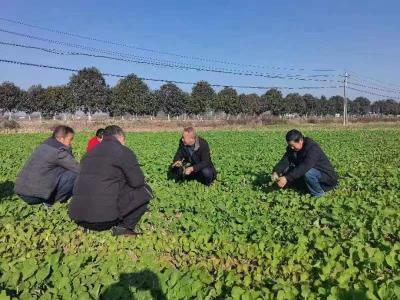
(165, 80)
(374, 84)
(374, 94)
(156, 51)
(173, 64)
(139, 61)
(370, 82)
(373, 87)
(72, 45)
(371, 79)
(121, 54)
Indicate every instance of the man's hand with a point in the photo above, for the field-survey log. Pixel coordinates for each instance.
(188, 170)
(282, 181)
(177, 164)
(274, 177)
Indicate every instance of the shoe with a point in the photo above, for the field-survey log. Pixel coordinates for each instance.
(119, 230)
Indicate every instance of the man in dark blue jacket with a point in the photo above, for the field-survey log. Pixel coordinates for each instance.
(305, 161)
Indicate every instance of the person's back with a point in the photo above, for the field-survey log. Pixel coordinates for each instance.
(99, 181)
(50, 172)
(109, 187)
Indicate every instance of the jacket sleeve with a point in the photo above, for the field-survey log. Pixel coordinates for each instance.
(131, 169)
(313, 155)
(205, 158)
(283, 164)
(67, 161)
(179, 153)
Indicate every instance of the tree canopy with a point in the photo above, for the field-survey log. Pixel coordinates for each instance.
(88, 91)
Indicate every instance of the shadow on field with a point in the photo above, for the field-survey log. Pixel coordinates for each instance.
(145, 280)
(262, 180)
(6, 189)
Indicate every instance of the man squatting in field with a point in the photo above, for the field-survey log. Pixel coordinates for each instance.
(50, 173)
(305, 163)
(110, 192)
(192, 159)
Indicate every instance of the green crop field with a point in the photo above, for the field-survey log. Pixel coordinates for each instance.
(239, 239)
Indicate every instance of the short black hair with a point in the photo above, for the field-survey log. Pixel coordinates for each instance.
(113, 130)
(62, 131)
(294, 136)
(100, 132)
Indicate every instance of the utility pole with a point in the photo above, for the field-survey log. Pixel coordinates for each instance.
(345, 119)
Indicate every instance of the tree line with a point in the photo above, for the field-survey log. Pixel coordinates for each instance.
(87, 91)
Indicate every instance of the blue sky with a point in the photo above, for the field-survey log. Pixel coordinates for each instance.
(359, 36)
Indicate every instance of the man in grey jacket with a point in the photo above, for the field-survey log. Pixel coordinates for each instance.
(50, 173)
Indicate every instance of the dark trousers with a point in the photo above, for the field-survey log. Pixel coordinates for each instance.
(62, 192)
(205, 176)
(129, 221)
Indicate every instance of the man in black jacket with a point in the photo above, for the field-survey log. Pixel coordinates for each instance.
(305, 160)
(50, 173)
(110, 191)
(192, 159)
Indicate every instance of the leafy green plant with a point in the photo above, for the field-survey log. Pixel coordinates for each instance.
(241, 238)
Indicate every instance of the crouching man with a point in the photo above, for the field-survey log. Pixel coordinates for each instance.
(50, 173)
(192, 159)
(305, 163)
(110, 191)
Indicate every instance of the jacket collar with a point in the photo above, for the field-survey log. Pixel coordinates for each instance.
(110, 139)
(52, 142)
(307, 141)
(196, 144)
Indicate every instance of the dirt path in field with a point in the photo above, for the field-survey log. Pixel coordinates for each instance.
(173, 126)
